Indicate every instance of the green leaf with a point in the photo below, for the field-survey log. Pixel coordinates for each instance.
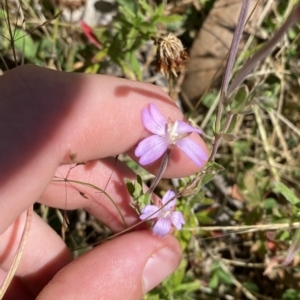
(284, 236)
(207, 178)
(147, 28)
(177, 277)
(187, 288)
(146, 7)
(241, 148)
(138, 188)
(225, 277)
(254, 215)
(135, 189)
(213, 166)
(130, 187)
(131, 38)
(286, 192)
(209, 99)
(100, 55)
(136, 67)
(238, 101)
(232, 124)
(228, 137)
(139, 180)
(290, 294)
(269, 203)
(160, 10)
(128, 6)
(204, 219)
(293, 249)
(127, 70)
(251, 286)
(25, 44)
(214, 281)
(92, 69)
(211, 169)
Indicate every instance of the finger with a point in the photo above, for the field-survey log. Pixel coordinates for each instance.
(50, 118)
(16, 289)
(44, 255)
(123, 268)
(101, 191)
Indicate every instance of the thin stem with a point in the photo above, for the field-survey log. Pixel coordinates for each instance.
(230, 62)
(235, 44)
(161, 171)
(248, 228)
(98, 189)
(218, 137)
(12, 41)
(17, 258)
(265, 141)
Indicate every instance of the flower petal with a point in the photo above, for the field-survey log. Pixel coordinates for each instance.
(177, 219)
(150, 149)
(184, 128)
(193, 151)
(162, 227)
(150, 212)
(167, 196)
(154, 121)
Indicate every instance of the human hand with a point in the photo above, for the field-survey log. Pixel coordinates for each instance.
(50, 119)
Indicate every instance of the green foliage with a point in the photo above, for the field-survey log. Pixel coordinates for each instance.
(291, 294)
(136, 23)
(239, 101)
(136, 192)
(211, 169)
(25, 44)
(218, 276)
(286, 192)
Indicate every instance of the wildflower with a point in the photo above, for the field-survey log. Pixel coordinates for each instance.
(167, 135)
(170, 55)
(165, 215)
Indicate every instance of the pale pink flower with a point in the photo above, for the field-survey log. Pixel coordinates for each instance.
(165, 215)
(165, 136)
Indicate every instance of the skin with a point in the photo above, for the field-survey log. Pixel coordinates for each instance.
(49, 120)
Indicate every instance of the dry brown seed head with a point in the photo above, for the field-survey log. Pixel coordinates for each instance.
(170, 55)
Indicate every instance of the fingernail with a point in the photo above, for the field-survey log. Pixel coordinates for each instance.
(159, 266)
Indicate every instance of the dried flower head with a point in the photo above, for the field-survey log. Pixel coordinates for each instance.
(170, 55)
(70, 4)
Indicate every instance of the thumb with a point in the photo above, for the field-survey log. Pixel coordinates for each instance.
(123, 268)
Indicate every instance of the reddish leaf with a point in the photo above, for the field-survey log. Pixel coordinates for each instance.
(88, 32)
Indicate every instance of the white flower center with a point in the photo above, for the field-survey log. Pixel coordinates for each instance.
(166, 213)
(172, 132)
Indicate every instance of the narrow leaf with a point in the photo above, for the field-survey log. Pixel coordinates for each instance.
(286, 192)
(293, 18)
